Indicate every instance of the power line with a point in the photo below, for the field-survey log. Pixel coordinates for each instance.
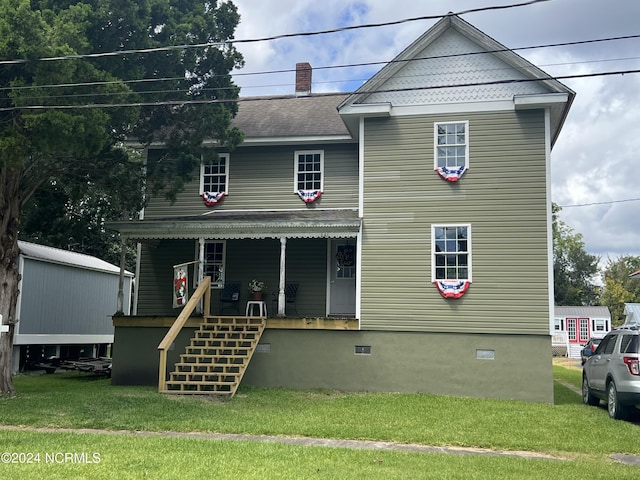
(354, 65)
(609, 202)
(264, 39)
(280, 97)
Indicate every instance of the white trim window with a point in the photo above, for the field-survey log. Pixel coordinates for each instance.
(214, 173)
(214, 261)
(451, 149)
(309, 170)
(451, 252)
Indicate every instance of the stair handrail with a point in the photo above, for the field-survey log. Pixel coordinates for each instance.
(203, 290)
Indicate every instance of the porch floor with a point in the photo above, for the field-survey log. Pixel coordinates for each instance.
(295, 323)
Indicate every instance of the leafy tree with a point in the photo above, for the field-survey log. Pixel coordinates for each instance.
(619, 288)
(48, 136)
(574, 270)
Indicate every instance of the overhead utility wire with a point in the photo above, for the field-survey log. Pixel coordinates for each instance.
(609, 202)
(289, 70)
(281, 97)
(264, 39)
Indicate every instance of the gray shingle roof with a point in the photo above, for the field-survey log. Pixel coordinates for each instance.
(582, 312)
(291, 116)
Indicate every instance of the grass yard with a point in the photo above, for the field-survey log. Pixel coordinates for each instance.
(71, 400)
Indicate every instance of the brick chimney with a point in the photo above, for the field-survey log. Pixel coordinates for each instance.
(303, 79)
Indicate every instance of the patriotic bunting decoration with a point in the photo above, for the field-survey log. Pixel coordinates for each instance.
(451, 174)
(452, 288)
(212, 198)
(309, 196)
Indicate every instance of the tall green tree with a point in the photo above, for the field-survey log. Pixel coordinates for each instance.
(50, 86)
(574, 270)
(619, 288)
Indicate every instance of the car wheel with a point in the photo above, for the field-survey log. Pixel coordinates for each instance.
(587, 397)
(616, 410)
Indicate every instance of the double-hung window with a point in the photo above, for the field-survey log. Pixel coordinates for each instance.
(309, 166)
(451, 146)
(213, 262)
(451, 252)
(214, 173)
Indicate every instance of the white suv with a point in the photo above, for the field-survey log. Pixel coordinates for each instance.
(612, 373)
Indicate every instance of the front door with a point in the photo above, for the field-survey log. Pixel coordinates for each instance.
(342, 280)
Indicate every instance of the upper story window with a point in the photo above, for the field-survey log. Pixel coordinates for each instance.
(214, 177)
(451, 149)
(213, 262)
(309, 173)
(451, 252)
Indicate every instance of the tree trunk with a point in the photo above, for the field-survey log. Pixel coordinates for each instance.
(9, 274)
(123, 262)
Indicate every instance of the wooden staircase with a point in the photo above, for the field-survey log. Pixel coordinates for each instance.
(217, 357)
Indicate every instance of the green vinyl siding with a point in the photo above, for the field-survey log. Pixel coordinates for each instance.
(263, 178)
(502, 196)
(155, 282)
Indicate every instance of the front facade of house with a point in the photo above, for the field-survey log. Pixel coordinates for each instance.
(413, 215)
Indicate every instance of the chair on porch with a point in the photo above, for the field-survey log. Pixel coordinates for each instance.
(230, 297)
(290, 293)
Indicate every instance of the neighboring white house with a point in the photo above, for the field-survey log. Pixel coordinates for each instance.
(574, 326)
(65, 304)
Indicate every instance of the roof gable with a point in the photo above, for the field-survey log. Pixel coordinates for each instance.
(453, 52)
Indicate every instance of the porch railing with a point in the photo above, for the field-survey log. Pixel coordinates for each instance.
(203, 290)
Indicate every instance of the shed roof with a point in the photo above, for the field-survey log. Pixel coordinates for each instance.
(227, 224)
(582, 312)
(65, 257)
(632, 311)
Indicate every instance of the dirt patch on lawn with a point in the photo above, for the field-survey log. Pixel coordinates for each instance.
(573, 363)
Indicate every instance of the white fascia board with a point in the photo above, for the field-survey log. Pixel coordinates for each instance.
(448, 108)
(523, 102)
(367, 110)
(256, 141)
(60, 339)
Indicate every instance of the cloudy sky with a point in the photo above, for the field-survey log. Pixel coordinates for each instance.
(596, 159)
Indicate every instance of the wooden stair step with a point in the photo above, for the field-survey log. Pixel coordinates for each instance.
(197, 383)
(209, 367)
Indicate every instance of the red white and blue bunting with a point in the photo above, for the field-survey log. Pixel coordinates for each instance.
(452, 288)
(309, 196)
(212, 198)
(451, 174)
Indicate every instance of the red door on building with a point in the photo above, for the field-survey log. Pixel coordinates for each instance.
(578, 330)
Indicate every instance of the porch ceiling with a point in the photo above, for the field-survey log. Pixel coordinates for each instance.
(221, 224)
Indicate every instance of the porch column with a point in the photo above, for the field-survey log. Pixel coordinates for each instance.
(281, 297)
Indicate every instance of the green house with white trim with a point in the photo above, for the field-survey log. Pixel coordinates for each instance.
(413, 217)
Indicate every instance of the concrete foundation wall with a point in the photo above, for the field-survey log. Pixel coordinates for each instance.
(498, 366)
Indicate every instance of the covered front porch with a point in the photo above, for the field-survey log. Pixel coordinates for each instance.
(315, 251)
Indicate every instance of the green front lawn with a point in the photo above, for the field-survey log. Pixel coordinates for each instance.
(567, 429)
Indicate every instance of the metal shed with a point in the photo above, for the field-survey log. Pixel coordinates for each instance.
(65, 304)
